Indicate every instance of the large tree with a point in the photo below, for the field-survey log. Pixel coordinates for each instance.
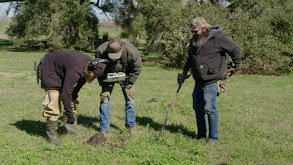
(55, 24)
(262, 28)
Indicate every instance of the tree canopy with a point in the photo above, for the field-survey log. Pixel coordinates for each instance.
(261, 28)
(55, 24)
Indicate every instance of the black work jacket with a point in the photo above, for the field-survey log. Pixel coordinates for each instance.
(208, 62)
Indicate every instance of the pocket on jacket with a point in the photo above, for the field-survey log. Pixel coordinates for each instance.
(206, 70)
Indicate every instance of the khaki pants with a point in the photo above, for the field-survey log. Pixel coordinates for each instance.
(52, 103)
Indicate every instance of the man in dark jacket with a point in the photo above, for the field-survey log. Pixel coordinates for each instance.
(62, 76)
(208, 65)
(123, 58)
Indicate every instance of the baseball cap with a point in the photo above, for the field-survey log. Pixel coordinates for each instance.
(199, 22)
(115, 51)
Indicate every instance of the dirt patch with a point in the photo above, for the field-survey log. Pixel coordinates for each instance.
(174, 105)
(99, 138)
(24, 73)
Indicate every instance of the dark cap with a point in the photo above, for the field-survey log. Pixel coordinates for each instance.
(114, 50)
(99, 71)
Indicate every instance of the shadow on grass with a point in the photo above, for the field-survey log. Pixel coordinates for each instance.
(31, 127)
(7, 45)
(37, 128)
(144, 121)
(4, 44)
(89, 122)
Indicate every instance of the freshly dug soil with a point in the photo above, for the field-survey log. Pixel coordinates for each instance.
(97, 138)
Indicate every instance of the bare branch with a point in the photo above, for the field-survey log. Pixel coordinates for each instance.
(97, 5)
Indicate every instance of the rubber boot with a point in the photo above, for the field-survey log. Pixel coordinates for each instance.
(71, 128)
(131, 131)
(52, 127)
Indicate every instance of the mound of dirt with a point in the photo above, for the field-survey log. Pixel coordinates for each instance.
(97, 138)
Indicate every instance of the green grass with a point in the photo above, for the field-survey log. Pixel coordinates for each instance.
(3, 27)
(112, 32)
(255, 121)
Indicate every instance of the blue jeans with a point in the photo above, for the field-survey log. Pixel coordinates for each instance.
(204, 103)
(105, 110)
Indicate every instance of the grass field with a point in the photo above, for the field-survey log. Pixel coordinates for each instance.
(3, 27)
(255, 121)
(112, 32)
(255, 124)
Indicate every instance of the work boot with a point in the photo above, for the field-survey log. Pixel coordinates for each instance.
(52, 127)
(131, 130)
(104, 133)
(210, 143)
(71, 128)
(198, 137)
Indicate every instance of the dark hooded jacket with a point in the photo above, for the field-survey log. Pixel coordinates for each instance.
(130, 62)
(61, 71)
(208, 62)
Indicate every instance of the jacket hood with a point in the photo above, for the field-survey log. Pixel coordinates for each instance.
(215, 29)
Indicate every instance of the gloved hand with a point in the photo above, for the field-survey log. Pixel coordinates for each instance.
(233, 70)
(70, 119)
(129, 91)
(104, 95)
(73, 104)
(75, 101)
(181, 77)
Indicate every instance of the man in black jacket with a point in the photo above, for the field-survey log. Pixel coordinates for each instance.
(62, 76)
(207, 61)
(123, 58)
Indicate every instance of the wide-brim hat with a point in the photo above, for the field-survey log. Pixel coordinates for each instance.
(114, 51)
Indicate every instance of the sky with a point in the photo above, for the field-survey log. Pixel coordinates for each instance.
(5, 5)
(3, 8)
